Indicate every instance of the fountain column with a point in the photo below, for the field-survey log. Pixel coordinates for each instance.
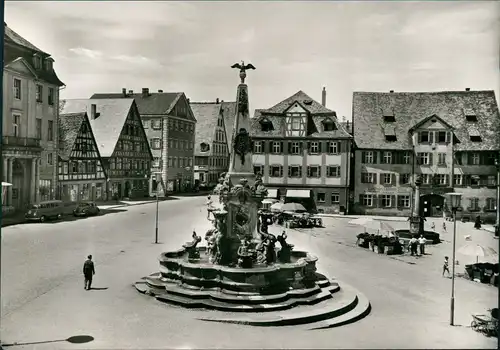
(416, 220)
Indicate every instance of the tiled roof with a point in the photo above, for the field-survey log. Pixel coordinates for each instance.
(206, 114)
(301, 97)
(22, 48)
(69, 126)
(410, 108)
(108, 125)
(229, 115)
(156, 103)
(318, 114)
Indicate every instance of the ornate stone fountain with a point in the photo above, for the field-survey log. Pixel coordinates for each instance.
(241, 269)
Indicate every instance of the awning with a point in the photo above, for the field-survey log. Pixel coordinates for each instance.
(6, 184)
(272, 193)
(298, 193)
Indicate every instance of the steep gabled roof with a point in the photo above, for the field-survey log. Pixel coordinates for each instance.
(304, 100)
(229, 115)
(16, 47)
(206, 114)
(425, 120)
(69, 127)
(108, 125)
(156, 103)
(410, 108)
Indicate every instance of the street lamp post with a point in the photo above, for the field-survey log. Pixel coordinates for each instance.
(454, 203)
(158, 179)
(497, 163)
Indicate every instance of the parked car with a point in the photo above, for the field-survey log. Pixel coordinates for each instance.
(86, 209)
(45, 210)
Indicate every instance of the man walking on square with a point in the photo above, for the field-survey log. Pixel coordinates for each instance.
(88, 272)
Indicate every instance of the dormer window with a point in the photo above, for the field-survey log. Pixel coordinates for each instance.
(388, 114)
(389, 119)
(328, 125)
(308, 102)
(390, 133)
(266, 125)
(37, 61)
(475, 138)
(204, 147)
(49, 64)
(471, 118)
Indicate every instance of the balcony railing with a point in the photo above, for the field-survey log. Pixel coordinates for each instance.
(20, 141)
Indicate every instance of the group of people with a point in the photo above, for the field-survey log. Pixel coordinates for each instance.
(417, 244)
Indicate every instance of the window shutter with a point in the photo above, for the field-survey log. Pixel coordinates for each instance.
(339, 147)
(447, 179)
(395, 157)
(361, 199)
(431, 137)
(377, 200)
(308, 171)
(289, 148)
(319, 146)
(375, 157)
(281, 147)
(469, 158)
(281, 171)
(309, 147)
(363, 157)
(301, 147)
(393, 179)
(289, 171)
(393, 201)
(399, 202)
(319, 171)
(270, 171)
(447, 137)
(375, 178)
(430, 158)
(300, 171)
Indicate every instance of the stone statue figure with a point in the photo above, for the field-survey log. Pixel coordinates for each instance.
(270, 249)
(285, 252)
(242, 144)
(245, 255)
(258, 188)
(243, 67)
(191, 247)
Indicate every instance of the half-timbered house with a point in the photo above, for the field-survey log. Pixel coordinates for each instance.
(122, 144)
(80, 172)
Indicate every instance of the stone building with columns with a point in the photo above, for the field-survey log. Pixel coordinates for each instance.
(30, 115)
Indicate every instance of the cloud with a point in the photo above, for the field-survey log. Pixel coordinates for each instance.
(88, 53)
(136, 60)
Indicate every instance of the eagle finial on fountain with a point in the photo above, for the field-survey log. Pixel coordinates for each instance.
(243, 67)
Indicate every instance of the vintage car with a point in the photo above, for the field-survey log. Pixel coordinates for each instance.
(86, 209)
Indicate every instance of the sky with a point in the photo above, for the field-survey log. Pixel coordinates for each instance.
(189, 47)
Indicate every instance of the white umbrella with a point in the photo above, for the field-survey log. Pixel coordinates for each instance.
(6, 184)
(270, 200)
(372, 224)
(477, 250)
(277, 207)
(295, 207)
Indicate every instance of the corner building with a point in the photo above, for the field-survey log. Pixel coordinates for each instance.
(303, 153)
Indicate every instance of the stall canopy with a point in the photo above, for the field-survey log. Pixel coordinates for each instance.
(272, 193)
(298, 193)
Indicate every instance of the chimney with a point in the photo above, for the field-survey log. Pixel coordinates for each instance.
(145, 92)
(160, 91)
(217, 100)
(188, 100)
(93, 111)
(131, 92)
(391, 91)
(221, 101)
(124, 92)
(467, 89)
(347, 125)
(323, 97)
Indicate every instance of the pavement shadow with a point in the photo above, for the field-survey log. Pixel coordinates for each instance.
(102, 212)
(99, 288)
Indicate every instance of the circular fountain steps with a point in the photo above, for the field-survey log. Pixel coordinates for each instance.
(229, 301)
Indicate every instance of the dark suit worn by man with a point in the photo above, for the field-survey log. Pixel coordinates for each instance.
(88, 272)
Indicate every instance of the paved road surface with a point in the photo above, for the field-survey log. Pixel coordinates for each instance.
(43, 296)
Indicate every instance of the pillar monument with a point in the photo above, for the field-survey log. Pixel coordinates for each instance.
(416, 218)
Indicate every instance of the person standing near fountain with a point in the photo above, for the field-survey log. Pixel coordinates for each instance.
(88, 272)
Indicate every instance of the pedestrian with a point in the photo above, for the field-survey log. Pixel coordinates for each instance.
(477, 223)
(209, 206)
(421, 242)
(88, 272)
(433, 226)
(413, 245)
(445, 266)
(444, 226)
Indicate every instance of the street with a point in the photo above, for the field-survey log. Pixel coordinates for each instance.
(43, 297)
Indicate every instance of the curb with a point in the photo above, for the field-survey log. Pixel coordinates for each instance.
(361, 216)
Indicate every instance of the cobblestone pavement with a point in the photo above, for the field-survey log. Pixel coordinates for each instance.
(43, 296)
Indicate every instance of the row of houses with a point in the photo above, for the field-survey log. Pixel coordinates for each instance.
(451, 140)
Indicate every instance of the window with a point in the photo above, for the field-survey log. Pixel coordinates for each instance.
(424, 158)
(48, 64)
(328, 125)
(17, 89)
(457, 179)
(295, 149)
(145, 124)
(490, 204)
(387, 157)
(333, 171)
(476, 158)
(39, 93)
(471, 117)
(404, 179)
(333, 147)
(321, 197)
(442, 137)
(473, 204)
(314, 147)
(404, 201)
(190, 162)
(367, 178)
(276, 147)
(51, 97)
(474, 180)
(386, 179)
(38, 61)
(335, 198)
(441, 179)
(156, 124)
(426, 179)
(368, 158)
(50, 130)
(156, 162)
(367, 200)
(266, 125)
(38, 128)
(386, 200)
(296, 123)
(491, 180)
(174, 162)
(313, 171)
(16, 125)
(406, 157)
(155, 143)
(294, 171)
(423, 137)
(50, 160)
(204, 147)
(441, 158)
(276, 171)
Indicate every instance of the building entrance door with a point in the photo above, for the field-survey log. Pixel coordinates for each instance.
(432, 205)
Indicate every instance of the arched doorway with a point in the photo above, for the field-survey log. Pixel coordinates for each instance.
(18, 185)
(432, 205)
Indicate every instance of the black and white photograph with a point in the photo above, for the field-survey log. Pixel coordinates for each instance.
(250, 175)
